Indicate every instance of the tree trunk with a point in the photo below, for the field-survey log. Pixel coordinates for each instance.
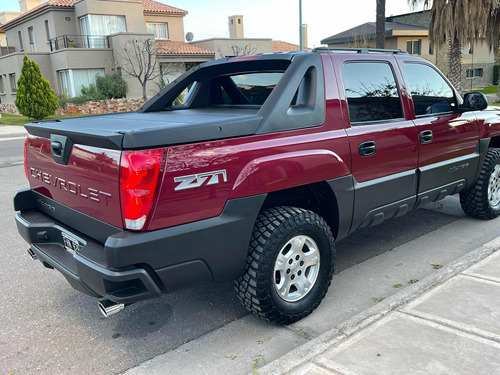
(144, 90)
(455, 64)
(380, 29)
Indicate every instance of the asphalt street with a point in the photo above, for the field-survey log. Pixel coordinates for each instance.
(48, 328)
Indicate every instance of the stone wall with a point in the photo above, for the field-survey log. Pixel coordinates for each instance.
(9, 108)
(90, 107)
(101, 106)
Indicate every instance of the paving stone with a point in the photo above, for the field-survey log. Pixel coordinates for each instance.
(488, 268)
(471, 302)
(401, 344)
(312, 369)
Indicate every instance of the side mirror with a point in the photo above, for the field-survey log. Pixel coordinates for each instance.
(475, 101)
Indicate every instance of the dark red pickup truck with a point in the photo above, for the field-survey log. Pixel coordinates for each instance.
(265, 162)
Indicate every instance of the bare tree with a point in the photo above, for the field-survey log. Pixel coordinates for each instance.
(380, 26)
(237, 50)
(139, 60)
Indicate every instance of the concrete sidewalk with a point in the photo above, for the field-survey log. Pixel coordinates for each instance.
(12, 131)
(453, 328)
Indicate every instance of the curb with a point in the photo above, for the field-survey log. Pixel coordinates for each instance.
(315, 347)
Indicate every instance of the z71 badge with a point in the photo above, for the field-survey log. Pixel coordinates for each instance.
(197, 180)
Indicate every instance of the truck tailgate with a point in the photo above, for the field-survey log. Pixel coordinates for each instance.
(88, 183)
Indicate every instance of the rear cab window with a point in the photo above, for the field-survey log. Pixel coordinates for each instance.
(244, 88)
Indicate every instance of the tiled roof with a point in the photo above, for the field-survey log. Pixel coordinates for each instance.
(156, 7)
(54, 3)
(147, 5)
(170, 47)
(280, 46)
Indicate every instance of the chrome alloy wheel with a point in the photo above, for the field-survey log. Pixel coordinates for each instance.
(296, 268)
(494, 187)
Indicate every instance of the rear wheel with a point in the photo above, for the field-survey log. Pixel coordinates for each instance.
(483, 200)
(289, 265)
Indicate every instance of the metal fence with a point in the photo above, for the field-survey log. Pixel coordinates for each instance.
(78, 41)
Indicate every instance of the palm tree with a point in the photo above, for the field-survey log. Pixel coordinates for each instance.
(459, 22)
(380, 26)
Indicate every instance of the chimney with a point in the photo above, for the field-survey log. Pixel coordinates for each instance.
(304, 35)
(236, 27)
(26, 5)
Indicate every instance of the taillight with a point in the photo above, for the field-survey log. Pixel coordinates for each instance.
(139, 177)
(25, 158)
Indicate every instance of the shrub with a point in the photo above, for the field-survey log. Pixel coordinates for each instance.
(92, 93)
(111, 87)
(35, 98)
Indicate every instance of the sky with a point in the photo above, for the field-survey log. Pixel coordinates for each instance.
(276, 19)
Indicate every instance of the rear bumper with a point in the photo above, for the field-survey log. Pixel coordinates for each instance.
(127, 267)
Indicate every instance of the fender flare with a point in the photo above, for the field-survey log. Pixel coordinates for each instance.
(288, 170)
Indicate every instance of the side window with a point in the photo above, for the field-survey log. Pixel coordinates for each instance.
(371, 91)
(429, 91)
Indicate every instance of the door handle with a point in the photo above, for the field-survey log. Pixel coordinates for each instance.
(426, 136)
(367, 148)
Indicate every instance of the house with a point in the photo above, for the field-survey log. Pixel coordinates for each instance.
(238, 45)
(410, 32)
(73, 41)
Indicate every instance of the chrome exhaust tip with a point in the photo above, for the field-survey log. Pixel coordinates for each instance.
(32, 254)
(108, 308)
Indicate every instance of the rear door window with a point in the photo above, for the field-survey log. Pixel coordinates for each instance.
(371, 92)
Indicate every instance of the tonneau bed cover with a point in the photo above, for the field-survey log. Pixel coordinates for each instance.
(134, 130)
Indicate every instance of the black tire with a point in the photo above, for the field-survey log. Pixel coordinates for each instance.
(275, 228)
(478, 202)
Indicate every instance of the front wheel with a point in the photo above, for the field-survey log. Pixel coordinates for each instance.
(289, 266)
(483, 200)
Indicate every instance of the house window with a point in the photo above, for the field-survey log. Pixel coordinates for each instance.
(31, 38)
(13, 82)
(73, 80)
(414, 47)
(96, 27)
(471, 73)
(20, 37)
(95, 24)
(431, 49)
(47, 32)
(159, 29)
(2, 87)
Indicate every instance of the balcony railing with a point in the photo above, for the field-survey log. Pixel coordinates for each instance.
(78, 41)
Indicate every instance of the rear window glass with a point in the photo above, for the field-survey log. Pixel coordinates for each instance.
(245, 89)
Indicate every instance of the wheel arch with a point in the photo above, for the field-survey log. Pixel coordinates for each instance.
(332, 200)
(494, 142)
